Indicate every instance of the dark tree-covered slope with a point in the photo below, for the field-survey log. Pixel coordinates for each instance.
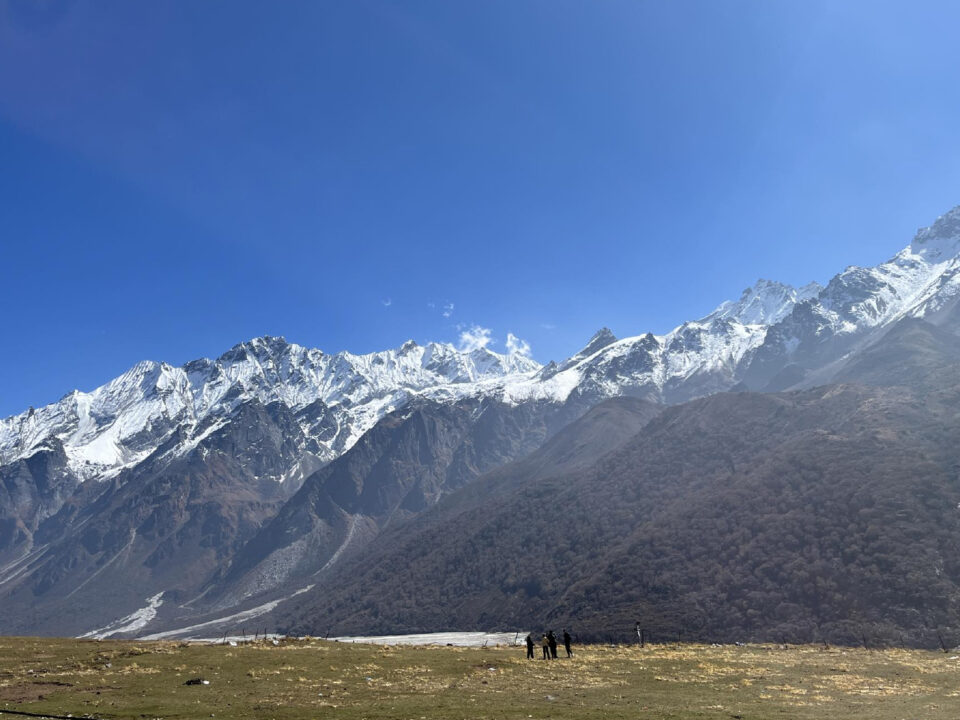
(830, 513)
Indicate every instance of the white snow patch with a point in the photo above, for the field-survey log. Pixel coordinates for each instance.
(236, 617)
(459, 639)
(136, 620)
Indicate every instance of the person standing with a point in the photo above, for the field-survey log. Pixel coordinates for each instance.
(566, 643)
(529, 646)
(546, 646)
(552, 639)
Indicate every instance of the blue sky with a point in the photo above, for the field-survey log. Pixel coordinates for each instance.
(178, 176)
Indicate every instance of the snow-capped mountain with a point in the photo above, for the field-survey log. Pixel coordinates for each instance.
(772, 329)
(121, 423)
(340, 396)
(919, 281)
(696, 358)
(228, 482)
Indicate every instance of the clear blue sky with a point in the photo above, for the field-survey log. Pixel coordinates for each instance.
(178, 176)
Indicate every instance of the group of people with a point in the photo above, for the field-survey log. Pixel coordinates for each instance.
(549, 644)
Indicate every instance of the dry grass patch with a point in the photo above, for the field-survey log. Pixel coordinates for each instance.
(308, 679)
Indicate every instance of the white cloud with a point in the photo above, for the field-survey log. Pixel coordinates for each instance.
(444, 308)
(387, 303)
(548, 326)
(474, 338)
(518, 346)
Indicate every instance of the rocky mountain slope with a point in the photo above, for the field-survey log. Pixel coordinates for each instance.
(771, 327)
(404, 465)
(156, 419)
(223, 486)
(211, 533)
(339, 397)
(827, 514)
(774, 337)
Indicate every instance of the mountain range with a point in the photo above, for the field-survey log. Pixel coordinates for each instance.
(428, 488)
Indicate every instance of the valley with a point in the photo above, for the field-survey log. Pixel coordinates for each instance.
(782, 469)
(306, 678)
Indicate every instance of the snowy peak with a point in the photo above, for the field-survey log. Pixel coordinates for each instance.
(697, 358)
(766, 303)
(941, 240)
(601, 339)
(772, 325)
(258, 348)
(917, 280)
(123, 421)
(861, 302)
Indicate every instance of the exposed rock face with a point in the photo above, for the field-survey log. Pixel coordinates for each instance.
(197, 491)
(31, 490)
(161, 527)
(827, 514)
(118, 425)
(410, 460)
(775, 337)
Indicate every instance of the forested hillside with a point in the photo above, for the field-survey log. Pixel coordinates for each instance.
(827, 514)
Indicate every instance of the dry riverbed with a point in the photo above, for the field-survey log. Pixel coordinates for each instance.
(317, 679)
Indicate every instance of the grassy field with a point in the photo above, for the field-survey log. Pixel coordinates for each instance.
(316, 679)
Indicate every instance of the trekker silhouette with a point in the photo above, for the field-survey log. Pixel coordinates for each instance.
(553, 644)
(546, 647)
(566, 642)
(530, 646)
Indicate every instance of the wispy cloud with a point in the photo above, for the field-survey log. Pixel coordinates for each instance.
(387, 302)
(445, 308)
(548, 326)
(517, 346)
(474, 338)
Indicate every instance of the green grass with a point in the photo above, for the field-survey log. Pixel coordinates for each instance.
(316, 679)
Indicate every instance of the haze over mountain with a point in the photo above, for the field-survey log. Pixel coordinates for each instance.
(183, 500)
